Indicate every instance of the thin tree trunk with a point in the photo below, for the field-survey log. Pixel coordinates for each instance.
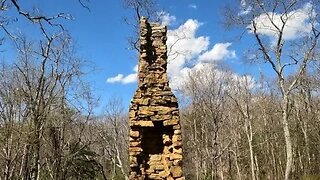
(236, 161)
(8, 153)
(36, 151)
(196, 155)
(24, 170)
(287, 137)
(274, 164)
(249, 133)
(221, 171)
(309, 116)
(120, 165)
(257, 167)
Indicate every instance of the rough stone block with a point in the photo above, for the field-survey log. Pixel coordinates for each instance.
(134, 133)
(160, 117)
(177, 132)
(177, 150)
(171, 122)
(177, 162)
(143, 112)
(135, 149)
(134, 143)
(156, 157)
(177, 143)
(170, 178)
(158, 167)
(132, 114)
(175, 127)
(176, 138)
(154, 176)
(166, 139)
(164, 174)
(175, 157)
(145, 123)
(134, 153)
(176, 171)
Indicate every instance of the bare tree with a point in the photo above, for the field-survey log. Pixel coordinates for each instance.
(12, 113)
(112, 132)
(203, 120)
(242, 97)
(139, 8)
(284, 54)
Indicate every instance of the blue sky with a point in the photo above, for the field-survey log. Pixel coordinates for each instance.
(101, 39)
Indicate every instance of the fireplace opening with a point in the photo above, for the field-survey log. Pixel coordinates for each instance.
(151, 141)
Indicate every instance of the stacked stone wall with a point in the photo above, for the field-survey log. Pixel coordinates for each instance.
(155, 143)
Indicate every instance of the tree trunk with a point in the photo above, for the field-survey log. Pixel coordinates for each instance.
(24, 170)
(36, 151)
(249, 133)
(287, 137)
(8, 152)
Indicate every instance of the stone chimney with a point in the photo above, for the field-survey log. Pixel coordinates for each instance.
(155, 143)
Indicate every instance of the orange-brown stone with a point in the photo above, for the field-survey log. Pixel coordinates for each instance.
(155, 142)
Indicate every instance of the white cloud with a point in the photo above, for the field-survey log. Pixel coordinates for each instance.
(218, 52)
(130, 78)
(179, 78)
(117, 78)
(120, 78)
(245, 81)
(206, 74)
(166, 19)
(193, 6)
(183, 45)
(297, 24)
(135, 69)
(189, 53)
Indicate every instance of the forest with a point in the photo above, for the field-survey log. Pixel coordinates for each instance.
(232, 128)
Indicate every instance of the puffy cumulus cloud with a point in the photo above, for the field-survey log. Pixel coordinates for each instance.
(166, 19)
(183, 45)
(120, 78)
(218, 52)
(178, 79)
(297, 24)
(189, 53)
(205, 75)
